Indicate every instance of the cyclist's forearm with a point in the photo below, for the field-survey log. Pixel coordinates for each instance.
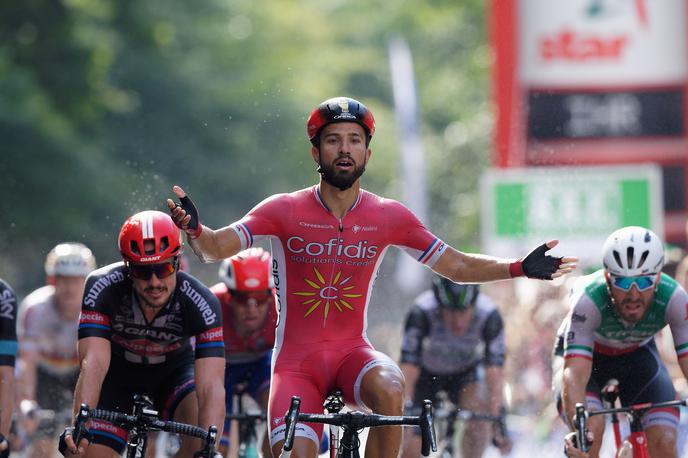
(26, 382)
(573, 391)
(211, 406)
(6, 398)
(471, 267)
(494, 376)
(210, 390)
(94, 362)
(88, 385)
(214, 245)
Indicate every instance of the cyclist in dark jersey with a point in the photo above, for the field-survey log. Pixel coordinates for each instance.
(136, 322)
(454, 343)
(327, 243)
(8, 353)
(609, 334)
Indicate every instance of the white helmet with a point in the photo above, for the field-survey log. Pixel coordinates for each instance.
(70, 259)
(632, 251)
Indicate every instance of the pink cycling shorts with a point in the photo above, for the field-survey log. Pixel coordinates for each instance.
(312, 373)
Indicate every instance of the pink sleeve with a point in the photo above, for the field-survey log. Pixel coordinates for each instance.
(263, 220)
(408, 233)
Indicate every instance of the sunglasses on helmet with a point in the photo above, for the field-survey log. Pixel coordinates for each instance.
(146, 271)
(642, 282)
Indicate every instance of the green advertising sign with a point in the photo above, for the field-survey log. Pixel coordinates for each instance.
(578, 205)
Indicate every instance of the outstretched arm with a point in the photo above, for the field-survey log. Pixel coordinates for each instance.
(479, 268)
(208, 244)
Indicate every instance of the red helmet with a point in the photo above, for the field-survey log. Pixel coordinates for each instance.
(339, 109)
(149, 225)
(247, 271)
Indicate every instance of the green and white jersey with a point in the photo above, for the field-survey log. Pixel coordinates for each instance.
(593, 325)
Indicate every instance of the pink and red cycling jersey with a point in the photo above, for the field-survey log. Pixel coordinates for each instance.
(324, 268)
(242, 349)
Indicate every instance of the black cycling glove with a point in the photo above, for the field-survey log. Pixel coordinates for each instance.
(536, 264)
(69, 431)
(194, 227)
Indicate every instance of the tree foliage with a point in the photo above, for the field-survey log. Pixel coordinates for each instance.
(106, 104)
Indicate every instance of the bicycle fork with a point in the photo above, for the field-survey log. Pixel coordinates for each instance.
(637, 439)
(138, 439)
(334, 404)
(139, 450)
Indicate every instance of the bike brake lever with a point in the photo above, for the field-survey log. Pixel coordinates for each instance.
(428, 439)
(80, 424)
(581, 427)
(290, 422)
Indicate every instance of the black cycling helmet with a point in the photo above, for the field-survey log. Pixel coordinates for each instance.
(339, 109)
(454, 296)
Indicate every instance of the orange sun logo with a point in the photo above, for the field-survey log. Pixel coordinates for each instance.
(335, 293)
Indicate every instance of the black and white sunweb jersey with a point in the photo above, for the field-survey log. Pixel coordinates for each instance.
(429, 344)
(8, 325)
(110, 310)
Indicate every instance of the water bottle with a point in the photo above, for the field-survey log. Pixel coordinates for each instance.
(248, 450)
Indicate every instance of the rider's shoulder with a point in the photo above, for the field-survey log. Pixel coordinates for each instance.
(589, 285)
(292, 196)
(39, 296)
(382, 201)
(186, 277)
(192, 287)
(4, 286)
(111, 277)
(112, 274)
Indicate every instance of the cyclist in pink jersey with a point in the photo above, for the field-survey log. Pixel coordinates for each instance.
(327, 244)
(249, 316)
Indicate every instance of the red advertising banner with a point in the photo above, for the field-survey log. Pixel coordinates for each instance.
(594, 82)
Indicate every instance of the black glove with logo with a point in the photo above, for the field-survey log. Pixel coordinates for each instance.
(194, 228)
(536, 264)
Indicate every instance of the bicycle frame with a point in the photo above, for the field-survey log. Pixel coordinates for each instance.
(352, 422)
(637, 439)
(334, 404)
(449, 413)
(247, 424)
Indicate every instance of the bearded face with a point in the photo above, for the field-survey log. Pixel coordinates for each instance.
(342, 154)
(340, 176)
